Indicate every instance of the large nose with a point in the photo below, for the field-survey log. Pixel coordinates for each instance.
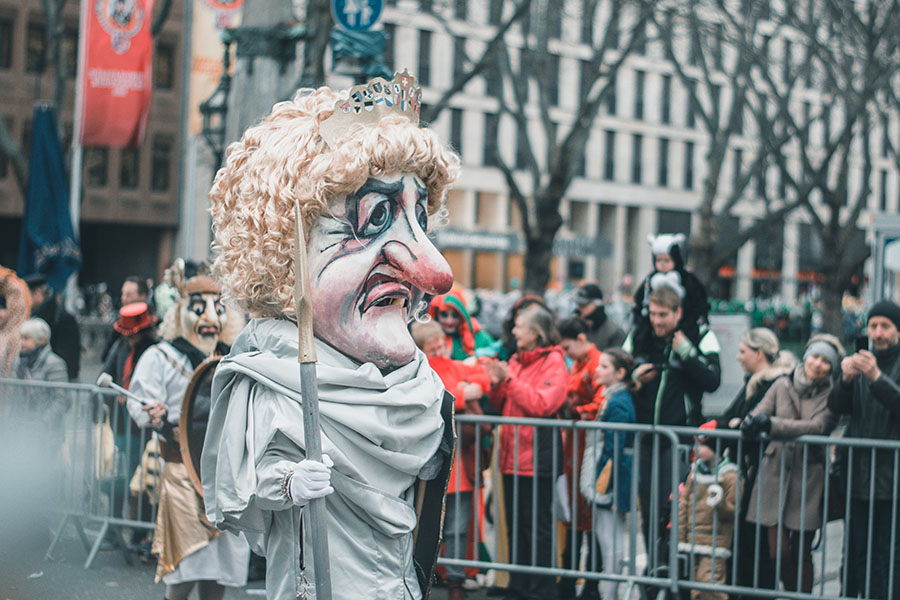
(419, 262)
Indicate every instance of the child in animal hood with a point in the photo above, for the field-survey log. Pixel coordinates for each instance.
(707, 506)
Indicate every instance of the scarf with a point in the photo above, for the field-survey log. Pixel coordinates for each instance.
(886, 357)
(379, 429)
(803, 386)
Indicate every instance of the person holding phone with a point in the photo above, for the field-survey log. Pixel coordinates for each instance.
(869, 392)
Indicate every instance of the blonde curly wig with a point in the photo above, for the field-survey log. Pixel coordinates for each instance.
(284, 159)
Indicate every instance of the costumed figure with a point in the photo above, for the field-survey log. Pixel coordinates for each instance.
(367, 180)
(14, 307)
(669, 271)
(189, 549)
(465, 337)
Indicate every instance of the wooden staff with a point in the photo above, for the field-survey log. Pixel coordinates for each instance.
(310, 391)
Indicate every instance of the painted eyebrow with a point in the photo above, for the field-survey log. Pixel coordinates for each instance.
(380, 187)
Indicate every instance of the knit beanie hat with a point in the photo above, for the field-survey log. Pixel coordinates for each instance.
(886, 309)
(824, 349)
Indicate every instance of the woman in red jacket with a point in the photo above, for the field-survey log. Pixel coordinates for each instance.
(532, 384)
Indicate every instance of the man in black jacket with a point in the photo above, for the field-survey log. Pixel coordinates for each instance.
(65, 336)
(673, 373)
(604, 332)
(868, 391)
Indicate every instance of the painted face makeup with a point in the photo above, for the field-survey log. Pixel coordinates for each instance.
(370, 264)
(202, 320)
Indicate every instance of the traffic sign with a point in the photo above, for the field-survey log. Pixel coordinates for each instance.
(356, 15)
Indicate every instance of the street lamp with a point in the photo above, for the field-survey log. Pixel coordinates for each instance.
(215, 108)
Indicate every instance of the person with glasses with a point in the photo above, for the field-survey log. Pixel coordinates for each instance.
(465, 337)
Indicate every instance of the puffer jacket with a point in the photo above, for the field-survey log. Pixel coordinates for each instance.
(708, 499)
(604, 446)
(535, 387)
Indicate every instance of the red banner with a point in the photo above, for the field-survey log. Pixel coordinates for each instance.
(116, 83)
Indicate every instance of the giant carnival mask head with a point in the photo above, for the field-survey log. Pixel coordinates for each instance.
(368, 181)
(201, 313)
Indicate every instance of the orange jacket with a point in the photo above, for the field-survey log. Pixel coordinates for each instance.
(453, 373)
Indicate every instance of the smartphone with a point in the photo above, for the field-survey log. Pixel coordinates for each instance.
(862, 342)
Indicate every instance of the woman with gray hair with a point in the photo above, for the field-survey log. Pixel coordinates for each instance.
(787, 496)
(37, 362)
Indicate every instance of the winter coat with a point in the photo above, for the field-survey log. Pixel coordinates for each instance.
(470, 337)
(796, 409)
(452, 374)
(45, 405)
(695, 309)
(687, 372)
(604, 333)
(602, 448)
(586, 398)
(65, 336)
(699, 512)
(535, 387)
(874, 409)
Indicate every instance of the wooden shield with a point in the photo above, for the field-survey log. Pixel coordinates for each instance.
(194, 418)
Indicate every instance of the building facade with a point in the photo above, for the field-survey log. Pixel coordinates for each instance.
(643, 171)
(130, 201)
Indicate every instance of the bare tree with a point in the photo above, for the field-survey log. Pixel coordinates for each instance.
(854, 49)
(715, 49)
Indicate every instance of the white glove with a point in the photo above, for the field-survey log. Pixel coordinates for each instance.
(311, 479)
(714, 495)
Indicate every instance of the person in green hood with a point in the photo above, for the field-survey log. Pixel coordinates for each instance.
(465, 337)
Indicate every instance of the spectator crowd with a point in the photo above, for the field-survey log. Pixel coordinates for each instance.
(750, 499)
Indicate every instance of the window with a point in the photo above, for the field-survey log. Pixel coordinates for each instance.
(717, 47)
(764, 49)
(695, 52)
(161, 164)
(737, 169)
(456, 123)
(4, 162)
(6, 42)
(164, 66)
(690, 119)
(640, 38)
(761, 179)
(424, 58)
(425, 5)
(609, 165)
(665, 108)
(552, 139)
(807, 113)
(491, 123)
(612, 34)
(611, 98)
(495, 14)
(882, 204)
(460, 9)
(885, 140)
(808, 69)
(96, 163)
(521, 150)
(69, 48)
(786, 62)
(389, 32)
(689, 165)
(662, 162)
(715, 96)
(782, 181)
(587, 77)
(637, 147)
(826, 122)
(553, 79)
(587, 22)
(129, 168)
(493, 81)
(554, 23)
(35, 48)
(639, 77)
(459, 57)
(668, 35)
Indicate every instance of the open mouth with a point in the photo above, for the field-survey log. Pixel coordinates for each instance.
(386, 292)
(208, 330)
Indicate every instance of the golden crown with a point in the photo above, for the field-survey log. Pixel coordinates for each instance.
(368, 103)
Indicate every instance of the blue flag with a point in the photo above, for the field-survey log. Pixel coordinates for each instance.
(48, 243)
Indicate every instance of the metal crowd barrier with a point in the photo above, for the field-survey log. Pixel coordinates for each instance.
(98, 480)
(660, 461)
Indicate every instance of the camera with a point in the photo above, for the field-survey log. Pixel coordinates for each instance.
(862, 342)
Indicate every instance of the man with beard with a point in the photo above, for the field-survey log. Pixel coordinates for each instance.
(869, 391)
(189, 549)
(367, 179)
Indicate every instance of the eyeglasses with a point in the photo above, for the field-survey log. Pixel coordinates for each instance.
(447, 314)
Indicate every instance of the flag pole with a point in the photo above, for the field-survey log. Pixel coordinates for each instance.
(77, 163)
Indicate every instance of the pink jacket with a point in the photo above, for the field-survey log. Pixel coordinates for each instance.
(536, 387)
